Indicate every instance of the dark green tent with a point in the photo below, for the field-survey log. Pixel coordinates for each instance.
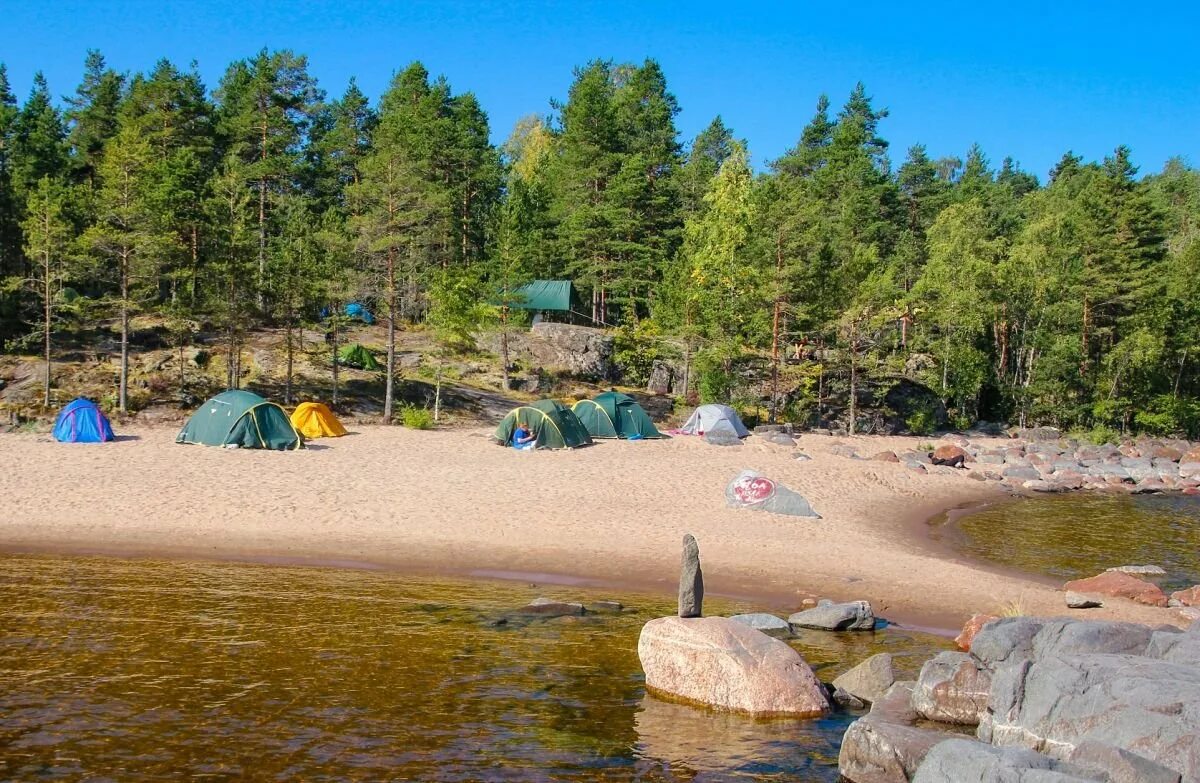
(552, 423)
(557, 295)
(615, 415)
(357, 355)
(241, 418)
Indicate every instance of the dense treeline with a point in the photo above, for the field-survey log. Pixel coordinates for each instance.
(261, 201)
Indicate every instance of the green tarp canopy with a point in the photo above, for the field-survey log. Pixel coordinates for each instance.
(615, 415)
(552, 423)
(241, 418)
(357, 355)
(545, 295)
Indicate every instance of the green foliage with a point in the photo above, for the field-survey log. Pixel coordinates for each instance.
(416, 418)
(921, 421)
(636, 346)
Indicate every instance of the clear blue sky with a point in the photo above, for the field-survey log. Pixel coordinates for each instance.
(1026, 79)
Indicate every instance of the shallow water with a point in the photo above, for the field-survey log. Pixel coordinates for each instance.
(1079, 535)
(126, 670)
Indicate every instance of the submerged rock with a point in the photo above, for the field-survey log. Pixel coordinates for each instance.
(851, 616)
(728, 665)
(884, 746)
(1137, 570)
(767, 623)
(1120, 585)
(548, 607)
(691, 579)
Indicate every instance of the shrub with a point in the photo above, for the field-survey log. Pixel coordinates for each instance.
(416, 418)
(921, 421)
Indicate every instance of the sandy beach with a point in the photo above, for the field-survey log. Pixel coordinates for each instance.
(454, 502)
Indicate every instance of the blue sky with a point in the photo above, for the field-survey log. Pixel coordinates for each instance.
(1025, 79)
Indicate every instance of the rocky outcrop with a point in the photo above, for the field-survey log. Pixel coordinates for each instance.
(828, 616)
(1118, 765)
(721, 663)
(868, 681)
(691, 579)
(962, 760)
(578, 351)
(885, 746)
(1188, 597)
(767, 623)
(1120, 585)
(952, 688)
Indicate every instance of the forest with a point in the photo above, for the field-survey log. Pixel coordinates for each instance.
(1069, 299)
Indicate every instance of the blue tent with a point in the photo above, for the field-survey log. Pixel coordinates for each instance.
(356, 310)
(82, 422)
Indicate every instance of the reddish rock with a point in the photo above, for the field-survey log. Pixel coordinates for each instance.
(1191, 456)
(972, 627)
(1188, 597)
(885, 456)
(947, 451)
(1167, 452)
(1191, 491)
(1119, 585)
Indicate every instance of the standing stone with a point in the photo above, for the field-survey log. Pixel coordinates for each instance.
(691, 579)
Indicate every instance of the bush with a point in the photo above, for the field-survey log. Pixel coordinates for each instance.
(416, 418)
(635, 349)
(921, 421)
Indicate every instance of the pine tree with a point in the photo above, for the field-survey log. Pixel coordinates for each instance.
(704, 158)
(92, 116)
(10, 215)
(37, 140)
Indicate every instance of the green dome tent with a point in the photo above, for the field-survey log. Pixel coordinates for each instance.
(241, 418)
(357, 355)
(553, 424)
(615, 415)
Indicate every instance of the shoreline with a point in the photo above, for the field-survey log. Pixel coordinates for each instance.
(448, 503)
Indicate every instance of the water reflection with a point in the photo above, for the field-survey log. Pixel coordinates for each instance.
(139, 670)
(1079, 535)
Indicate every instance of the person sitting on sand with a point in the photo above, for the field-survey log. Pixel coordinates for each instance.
(523, 439)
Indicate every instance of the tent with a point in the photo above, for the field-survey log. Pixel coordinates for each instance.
(553, 424)
(241, 418)
(614, 415)
(315, 420)
(558, 295)
(81, 421)
(711, 417)
(353, 310)
(357, 355)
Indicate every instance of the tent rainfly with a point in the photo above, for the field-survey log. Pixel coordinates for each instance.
(707, 418)
(357, 355)
(552, 424)
(241, 418)
(315, 420)
(615, 415)
(556, 295)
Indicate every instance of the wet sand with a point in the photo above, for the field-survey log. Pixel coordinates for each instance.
(454, 502)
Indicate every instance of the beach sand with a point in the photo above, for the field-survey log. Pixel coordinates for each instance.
(454, 502)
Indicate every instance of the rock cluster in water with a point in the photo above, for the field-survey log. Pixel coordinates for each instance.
(1055, 700)
(1041, 460)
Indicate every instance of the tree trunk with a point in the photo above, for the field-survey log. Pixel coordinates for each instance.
(775, 326)
(333, 325)
(389, 383)
(195, 262)
(437, 393)
(505, 382)
(287, 384)
(262, 240)
(853, 388)
(47, 300)
(123, 395)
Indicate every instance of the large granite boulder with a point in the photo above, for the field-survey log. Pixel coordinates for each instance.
(767, 623)
(580, 350)
(1011, 640)
(884, 746)
(971, 628)
(1175, 647)
(952, 688)
(1118, 765)
(967, 761)
(721, 663)
(1120, 585)
(752, 490)
(1188, 597)
(1149, 707)
(869, 680)
(850, 616)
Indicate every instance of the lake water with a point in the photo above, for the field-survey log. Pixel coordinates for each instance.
(128, 670)
(1081, 534)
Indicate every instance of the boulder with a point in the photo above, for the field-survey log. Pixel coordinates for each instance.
(1169, 453)
(1174, 647)
(662, 378)
(691, 579)
(1148, 706)
(970, 628)
(1120, 585)
(767, 623)
(800, 456)
(611, 607)
(548, 607)
(1188, 597)
(721, 663)
(842, 450)
(752, 490)
(1021, 473)
(952, 688)
(885, 456)
(869, 680)
(1079, 601)
(948, 454)
(1010, 640)
(850, 616)
(884, 746)
(581, 351)
(722, 436)
(1119, 765)
(962, 760)
(780, 439)
(1137, 570)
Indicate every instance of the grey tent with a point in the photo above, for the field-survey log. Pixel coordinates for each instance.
(707, 418)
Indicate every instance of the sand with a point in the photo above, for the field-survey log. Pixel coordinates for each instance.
(454, 502)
